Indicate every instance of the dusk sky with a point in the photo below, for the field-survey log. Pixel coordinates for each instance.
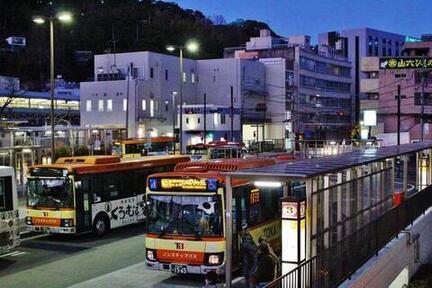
(288, 17)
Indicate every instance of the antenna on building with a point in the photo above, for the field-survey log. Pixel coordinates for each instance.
(113, 41)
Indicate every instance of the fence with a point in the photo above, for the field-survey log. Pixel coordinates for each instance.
(337, 263)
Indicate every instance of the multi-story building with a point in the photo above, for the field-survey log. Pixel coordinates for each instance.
(151, 83)
(313, 90)
(381, 88)
(356, 44)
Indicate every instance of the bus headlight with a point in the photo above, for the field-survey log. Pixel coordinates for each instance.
(151, 255)
(213, 259)
(67, 223)
(28, 220)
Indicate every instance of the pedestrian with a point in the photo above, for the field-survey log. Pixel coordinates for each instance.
(211, 280)
(264, 271)
(248, 250)
(263, 239)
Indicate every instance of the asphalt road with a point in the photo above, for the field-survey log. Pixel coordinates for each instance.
(62, 261)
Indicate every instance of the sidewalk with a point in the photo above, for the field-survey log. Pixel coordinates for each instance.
(138, 276)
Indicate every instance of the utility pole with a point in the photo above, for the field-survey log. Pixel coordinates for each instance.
(127, 100)
(232, 113)
(205, 118)
(174, 108)
(398, 113)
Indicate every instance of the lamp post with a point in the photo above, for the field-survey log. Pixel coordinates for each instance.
(174, 93)
(62, 17)
(190, 46)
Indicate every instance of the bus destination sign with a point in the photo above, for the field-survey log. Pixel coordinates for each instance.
(405, 63)
(182, 184)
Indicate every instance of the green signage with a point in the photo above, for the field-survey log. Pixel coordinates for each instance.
(406, 62)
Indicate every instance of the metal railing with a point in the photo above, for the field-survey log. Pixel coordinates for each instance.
(336, 264)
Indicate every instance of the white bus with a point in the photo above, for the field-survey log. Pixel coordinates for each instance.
(9, 229)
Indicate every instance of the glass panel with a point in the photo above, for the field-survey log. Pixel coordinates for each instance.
(56, 193)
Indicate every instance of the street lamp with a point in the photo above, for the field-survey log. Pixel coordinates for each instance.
(192, 47)
(65, 17)
(174, 93)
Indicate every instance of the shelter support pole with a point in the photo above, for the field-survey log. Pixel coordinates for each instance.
(309, 214)
(405, 174)
(228, 232)
(326, 210)
(339, 206)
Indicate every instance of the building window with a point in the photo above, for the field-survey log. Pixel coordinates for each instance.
(215, 119)
(144, 105)
(151, 72)
(184, 76)
(125, 104)
(88, 105)
(199, 120)
(109, 105)
(197, 78)
(152, 108)
(214, 78)
(166, 74)
(223, 118)
(187, 120)
(166, 106)
(100, 105)
(193, 77)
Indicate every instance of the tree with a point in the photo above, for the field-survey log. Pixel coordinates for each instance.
(12, 87)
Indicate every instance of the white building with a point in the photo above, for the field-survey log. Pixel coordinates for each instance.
(217, 122)
(154, 78)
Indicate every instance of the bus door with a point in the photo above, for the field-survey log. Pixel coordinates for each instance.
(83, 205)
(239, 220)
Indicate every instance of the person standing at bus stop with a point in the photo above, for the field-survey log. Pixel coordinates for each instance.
(247, 252)
(264, 272)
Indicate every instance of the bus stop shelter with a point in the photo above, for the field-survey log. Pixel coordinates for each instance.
(335, 202)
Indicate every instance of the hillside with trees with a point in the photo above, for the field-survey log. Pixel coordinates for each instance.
(106, 26)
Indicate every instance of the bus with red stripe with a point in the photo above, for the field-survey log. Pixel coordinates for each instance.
(186, 217)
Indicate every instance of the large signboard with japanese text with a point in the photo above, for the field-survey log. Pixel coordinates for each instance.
(405, 63)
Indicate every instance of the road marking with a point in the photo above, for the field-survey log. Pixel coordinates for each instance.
(20, 253)
(238, 279)
(35, 237)
(14, 254)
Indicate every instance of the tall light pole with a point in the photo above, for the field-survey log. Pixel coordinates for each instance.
(190, 46)
(62, 17)
(174, 93)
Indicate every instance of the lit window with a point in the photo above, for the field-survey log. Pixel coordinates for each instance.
(101, 105)
(144, 105)
(125, 104)
(184, 76)
(152, 108)
(109, 105)
(193, 78)
(215, 119)
(88, 105)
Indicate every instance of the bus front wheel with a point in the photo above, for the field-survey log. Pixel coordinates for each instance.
(100, 226)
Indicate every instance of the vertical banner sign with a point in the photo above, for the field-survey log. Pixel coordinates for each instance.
(293, 233)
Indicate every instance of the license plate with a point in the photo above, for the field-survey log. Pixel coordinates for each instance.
(179, 269)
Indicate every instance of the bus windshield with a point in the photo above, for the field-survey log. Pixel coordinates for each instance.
(53, 193)
(185, 215)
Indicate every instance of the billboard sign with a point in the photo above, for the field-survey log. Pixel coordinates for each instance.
(16, 41)
(405, 62)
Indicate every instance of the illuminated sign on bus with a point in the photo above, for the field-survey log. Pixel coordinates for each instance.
(183, 184)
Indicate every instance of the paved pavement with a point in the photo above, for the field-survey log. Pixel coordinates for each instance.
(116, 260)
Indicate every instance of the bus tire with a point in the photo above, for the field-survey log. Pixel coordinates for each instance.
(101, 225)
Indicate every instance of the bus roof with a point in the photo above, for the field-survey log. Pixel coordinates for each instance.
(216, 144)
(214, 168)
(160, 139)
(6, 171)
(102, 164)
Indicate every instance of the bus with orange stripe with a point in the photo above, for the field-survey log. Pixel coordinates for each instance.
(186, 216)
(91, 193)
